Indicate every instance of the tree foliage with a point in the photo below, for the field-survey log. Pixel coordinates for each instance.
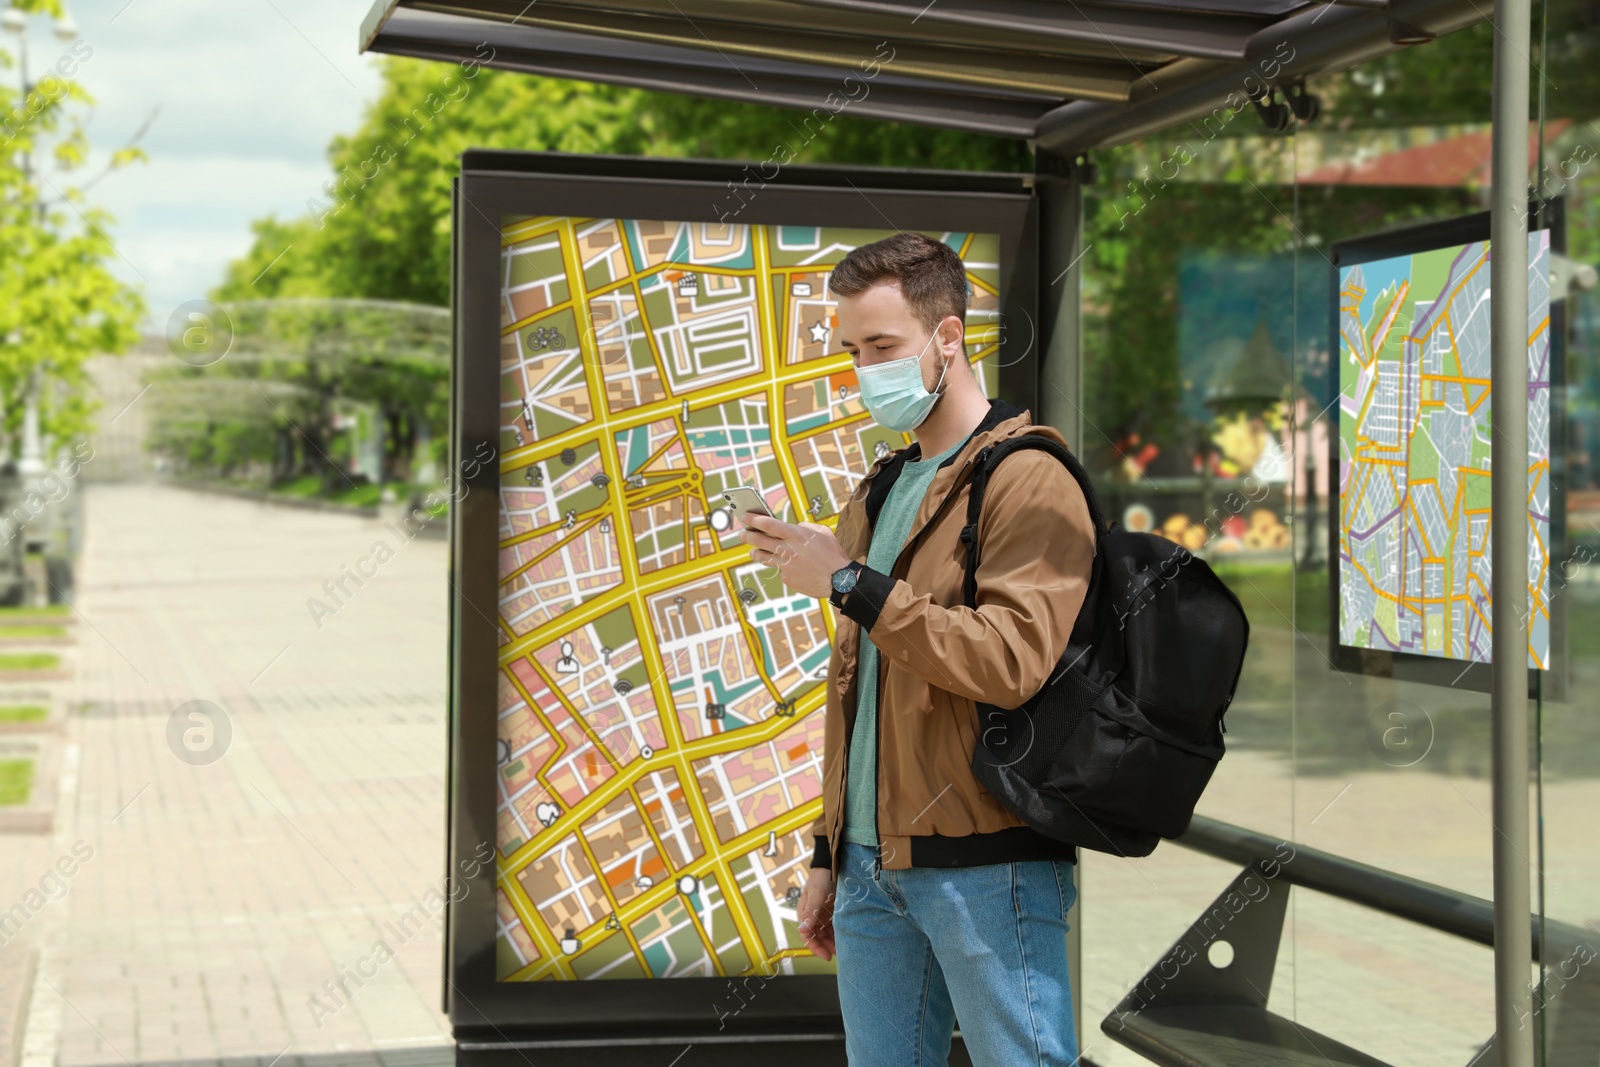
(381, 226)
(60, 303)
(268, 411)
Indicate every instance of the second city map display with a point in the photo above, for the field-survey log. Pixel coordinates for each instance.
(661, 697)
(1414, 446)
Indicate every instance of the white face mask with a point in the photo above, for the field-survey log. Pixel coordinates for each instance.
(894, 394)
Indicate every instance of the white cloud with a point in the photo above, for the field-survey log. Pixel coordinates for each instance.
(250, 92)
(181, 219)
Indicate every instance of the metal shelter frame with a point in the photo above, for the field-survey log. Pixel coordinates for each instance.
(1070, 76)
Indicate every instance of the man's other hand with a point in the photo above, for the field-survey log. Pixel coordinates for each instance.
(816, 913)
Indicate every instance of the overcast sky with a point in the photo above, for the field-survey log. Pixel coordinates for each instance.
(249, 92)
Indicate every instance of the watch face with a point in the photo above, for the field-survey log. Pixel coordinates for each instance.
(844, 579)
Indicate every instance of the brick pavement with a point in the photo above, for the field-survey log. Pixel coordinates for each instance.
(220, 898)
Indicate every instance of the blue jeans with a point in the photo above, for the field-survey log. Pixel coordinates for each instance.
(921, 946)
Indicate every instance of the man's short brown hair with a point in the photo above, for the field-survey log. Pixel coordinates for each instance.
(931, 275)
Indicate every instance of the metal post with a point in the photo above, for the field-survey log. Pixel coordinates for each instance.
(1060, 195)
(1508, 320)
(1060, 191)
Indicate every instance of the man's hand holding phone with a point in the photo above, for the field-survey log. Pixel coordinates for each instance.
(806, 554)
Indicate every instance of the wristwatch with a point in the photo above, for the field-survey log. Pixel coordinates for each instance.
(844, 580)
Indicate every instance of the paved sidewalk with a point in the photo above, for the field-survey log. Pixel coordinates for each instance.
(220, 898)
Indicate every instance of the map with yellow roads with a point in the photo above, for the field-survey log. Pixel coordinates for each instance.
(1414, 445)
(661, 697)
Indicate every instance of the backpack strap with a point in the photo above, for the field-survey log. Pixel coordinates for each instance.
(988, 459)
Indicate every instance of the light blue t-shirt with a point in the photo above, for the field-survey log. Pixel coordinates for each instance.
(888, 537)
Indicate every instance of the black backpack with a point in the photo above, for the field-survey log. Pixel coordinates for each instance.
(1115, 749)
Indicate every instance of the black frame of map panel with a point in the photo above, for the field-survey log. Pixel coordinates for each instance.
(1543, 213)
(493, 185)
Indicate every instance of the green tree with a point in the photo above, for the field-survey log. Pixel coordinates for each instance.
(59, 302)
(266, 413)
(381, 226)
(717, 129)
(380, 229)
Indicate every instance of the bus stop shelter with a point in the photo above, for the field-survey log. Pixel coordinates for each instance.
(1071, 77)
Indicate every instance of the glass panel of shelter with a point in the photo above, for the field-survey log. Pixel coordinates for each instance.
(1211, 375)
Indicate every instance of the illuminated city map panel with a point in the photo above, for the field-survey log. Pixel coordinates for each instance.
(661, 697)
(1414, 446)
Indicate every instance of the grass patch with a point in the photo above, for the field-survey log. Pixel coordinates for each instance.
(1263, 590)
(16, 782)
(23, 713)
(29, 661)
(23, 609)
(360, 496)
(32, 630)
(309, 486)
(306, 485)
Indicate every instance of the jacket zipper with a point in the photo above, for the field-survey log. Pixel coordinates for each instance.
(836, 844)
(877, 722)
(877, 727)
(877, 763)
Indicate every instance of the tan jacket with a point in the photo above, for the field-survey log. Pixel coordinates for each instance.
(937, 657)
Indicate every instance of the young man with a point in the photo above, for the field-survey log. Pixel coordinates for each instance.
(947, 906)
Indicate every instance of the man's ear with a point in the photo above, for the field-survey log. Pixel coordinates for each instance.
(952, 333)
